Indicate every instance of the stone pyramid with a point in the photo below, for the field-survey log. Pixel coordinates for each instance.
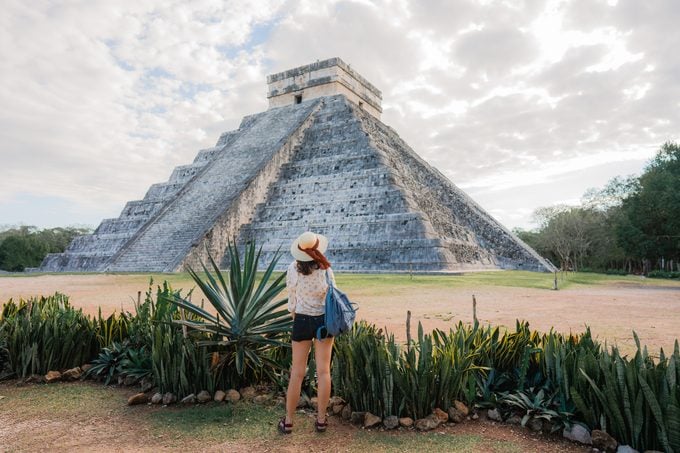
(318, 159)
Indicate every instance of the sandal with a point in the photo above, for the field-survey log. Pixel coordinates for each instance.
(285, 428)
(321, 426)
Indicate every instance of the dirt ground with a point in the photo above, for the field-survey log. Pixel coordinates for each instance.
(90, 417)
(612, 311)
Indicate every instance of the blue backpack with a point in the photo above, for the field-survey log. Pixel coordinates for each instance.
(340, 312)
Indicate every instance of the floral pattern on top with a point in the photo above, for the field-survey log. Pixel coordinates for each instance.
(307, 293)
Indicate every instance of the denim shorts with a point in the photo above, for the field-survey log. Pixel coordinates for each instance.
(305, 327)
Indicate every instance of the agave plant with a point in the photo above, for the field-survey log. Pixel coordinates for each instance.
(248, 322)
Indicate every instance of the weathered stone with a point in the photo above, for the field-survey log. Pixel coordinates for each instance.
(514, 420)
(335, 401)
(626, 449)
(52, 376)
(146, 384)
(337, 409)
(367, 183)
(189, 399)
(371, 420)
(130, 380)
(462, 407)
(535, 424)
(357, 418)
(169, 398)
(220, 396)
(603, 441)
(280, 401)
(72, 375)
(86, 367)
(455, 415)
(233, 396)
(578, 433)
(203, 396)
(314, 402)
(391, 422)
(442, 416)
(262, 399)
(494, 414)
(304, 402)
(406, 422)
(475, 416)
(346, 412)
(428, 423)
(247, 393)
(139, 398)
(35, 378)
(157, 398)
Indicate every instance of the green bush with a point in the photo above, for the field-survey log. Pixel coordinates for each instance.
(46, 333)
(664, 274)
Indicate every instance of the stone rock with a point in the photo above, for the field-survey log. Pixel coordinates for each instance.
(203, 396)
(85, 368)
(169, 398)
(626, 449)
(281, 401)
(157, 398)
(233, 395)
(455, 415)
(146, 384)
(357, 418)
(337, 409)
(314, 402)
(493, 414)
(428, 423)
(247, 393)
(262, 399)
(578, 433)
(52, 376)
(475, 417)
(442, 416)
(72, 375)
(371, 420)
(462, 407)
(189, 399)
(303, 402)
(535, 424)
(335, 401)
(514, 420)
(652, 451)
(346, 412)
(406, 422)
(603, 441)
(130, 380)
(220, 396)
(35, 378)
(391, 422)
(139, 398)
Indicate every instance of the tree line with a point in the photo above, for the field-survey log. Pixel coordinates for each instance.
(26, 246)
(632, 225)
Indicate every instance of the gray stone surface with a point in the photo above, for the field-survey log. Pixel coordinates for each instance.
(324, 165)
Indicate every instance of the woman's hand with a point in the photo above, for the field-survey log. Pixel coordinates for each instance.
(292, 314)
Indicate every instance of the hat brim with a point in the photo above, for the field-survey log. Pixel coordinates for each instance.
(302, 256)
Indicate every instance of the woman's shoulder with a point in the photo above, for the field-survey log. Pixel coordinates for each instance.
(292, 266)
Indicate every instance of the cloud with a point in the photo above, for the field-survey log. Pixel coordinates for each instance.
(102, 99)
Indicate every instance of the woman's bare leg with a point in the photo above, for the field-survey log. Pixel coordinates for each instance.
(322, 353)
(297, 374)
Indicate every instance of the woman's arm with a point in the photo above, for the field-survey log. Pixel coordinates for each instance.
(291, 284)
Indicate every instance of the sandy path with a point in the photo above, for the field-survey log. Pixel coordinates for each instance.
(612, 311)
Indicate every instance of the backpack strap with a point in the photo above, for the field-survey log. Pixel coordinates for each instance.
(328, 279)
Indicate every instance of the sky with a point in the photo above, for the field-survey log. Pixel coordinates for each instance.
(522, 104)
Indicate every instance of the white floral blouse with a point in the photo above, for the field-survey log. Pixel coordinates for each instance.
(307, 293)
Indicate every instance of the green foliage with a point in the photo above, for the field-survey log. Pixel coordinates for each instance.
(108, 362)
(27, 246)
(664, 274)
(46, 333)
(248, 322)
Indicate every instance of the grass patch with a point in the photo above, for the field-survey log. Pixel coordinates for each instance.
(380, 441)
(217, 422)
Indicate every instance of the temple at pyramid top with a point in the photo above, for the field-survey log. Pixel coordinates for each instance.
(323, 78)
(318, 159)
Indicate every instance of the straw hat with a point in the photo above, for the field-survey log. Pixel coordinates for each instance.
(307, 240)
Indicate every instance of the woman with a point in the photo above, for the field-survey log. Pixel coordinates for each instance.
(307, 287)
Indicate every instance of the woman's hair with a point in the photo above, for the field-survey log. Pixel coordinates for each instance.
(306, 267)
